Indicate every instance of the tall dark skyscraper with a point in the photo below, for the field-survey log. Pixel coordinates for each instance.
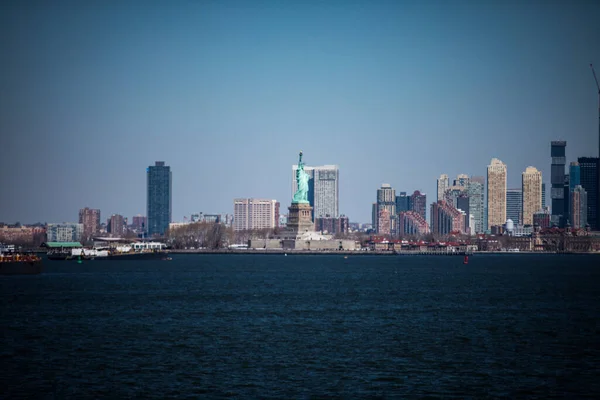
(514, 205)
(543, 195)
(402, 203)
(557, 179)
(158, 205)
(588, 170)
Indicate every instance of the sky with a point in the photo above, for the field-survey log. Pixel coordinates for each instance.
(228, 92)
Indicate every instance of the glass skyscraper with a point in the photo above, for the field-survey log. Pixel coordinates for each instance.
(588, 168)
(158, 205)
(514, 205)
(476, 193)
(402, 202)
(557, 179)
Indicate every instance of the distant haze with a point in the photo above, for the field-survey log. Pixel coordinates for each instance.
(227, 93)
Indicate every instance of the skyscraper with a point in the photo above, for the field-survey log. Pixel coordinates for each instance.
(567, 200)
(139, 223)
(158, 204)
(386, 199)
(462, 204)
(496, 193)
(442, 185)
(589, 181)
(402, 203)
(445, 218)
(327, 179)
(462, 180)
(374, 216)
(384, 222)
(557, 179)
(514, 205)
(418, 203)
(117, 225)
(411, 223)
(543, 195)
(323, 189)
(578, 207)
(476, 194)
(532, 194)
(574, 175)
(252, 214)
(90, 218)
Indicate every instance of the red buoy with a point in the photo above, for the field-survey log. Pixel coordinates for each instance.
(466, 261)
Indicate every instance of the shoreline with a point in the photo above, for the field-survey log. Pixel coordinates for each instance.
(366, 253)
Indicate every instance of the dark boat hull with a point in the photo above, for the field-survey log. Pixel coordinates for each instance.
(20, 267)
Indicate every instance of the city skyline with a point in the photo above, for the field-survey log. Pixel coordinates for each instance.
(213, 89)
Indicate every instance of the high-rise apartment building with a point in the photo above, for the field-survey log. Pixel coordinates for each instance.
(411, 223)
(514, 205)
(557, 179)
(476, 194)
(251, 214)
(331, 225)
(386, 200)
(442, 184)
(496, 193)
(323, 189)
(462, 180)
(418, 203)
(445, 218)
(532, 194)
(117, 225)
(65, 232)
(589, 170)
(578, 207)
(139, 223)
(462, 204)
(384, 222)
(453, 193)
(90, 218)
(159, 196)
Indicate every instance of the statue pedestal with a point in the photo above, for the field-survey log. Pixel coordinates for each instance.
(299, 222)
(299, 218)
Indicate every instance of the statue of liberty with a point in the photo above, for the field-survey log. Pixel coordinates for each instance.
(301, 195)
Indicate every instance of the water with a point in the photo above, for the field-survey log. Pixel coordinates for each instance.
(304, 326)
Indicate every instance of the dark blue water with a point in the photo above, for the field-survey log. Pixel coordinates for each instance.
(304, 326)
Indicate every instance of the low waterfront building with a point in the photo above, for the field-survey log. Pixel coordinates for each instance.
(34, 235)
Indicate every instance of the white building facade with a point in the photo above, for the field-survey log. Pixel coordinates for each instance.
(251, 214)
(65, 232)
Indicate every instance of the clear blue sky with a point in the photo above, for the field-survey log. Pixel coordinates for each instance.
(228, 92)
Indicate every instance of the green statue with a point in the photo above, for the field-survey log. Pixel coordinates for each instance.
(301, 195)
